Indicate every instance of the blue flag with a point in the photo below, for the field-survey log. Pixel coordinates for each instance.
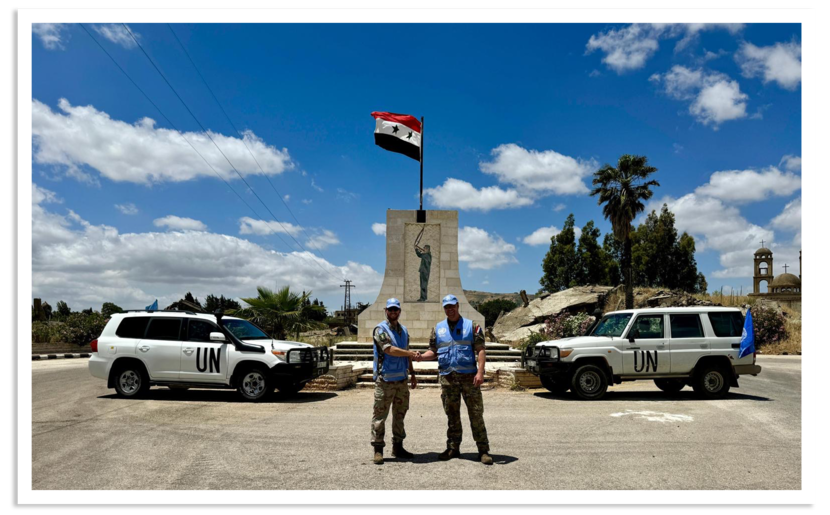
(154, 306)
(747, 337)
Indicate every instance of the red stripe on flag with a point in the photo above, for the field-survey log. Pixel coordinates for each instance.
(404, 119)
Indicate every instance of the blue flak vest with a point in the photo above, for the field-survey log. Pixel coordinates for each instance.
(393, 368)
(455, 349)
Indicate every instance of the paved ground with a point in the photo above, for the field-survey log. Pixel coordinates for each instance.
(84, 437)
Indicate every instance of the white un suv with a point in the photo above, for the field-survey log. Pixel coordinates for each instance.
(183, 349)
(674, 347)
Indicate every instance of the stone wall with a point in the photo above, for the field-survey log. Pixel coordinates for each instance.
(340, 377)
(508, 377)
(418, 317)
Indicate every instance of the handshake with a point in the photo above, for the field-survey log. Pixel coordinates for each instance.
(415, 356)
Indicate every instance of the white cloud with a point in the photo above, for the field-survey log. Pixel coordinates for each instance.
(541, 236)
(719, 227)
(345, 195)
(458, 194)
(248, 225)
(116, 33)
(286, 197)
(177, 223)
(50, 34)
(314, 185)
(127, 209)
(559, 207)
(140, 152)
(750, 185)
(714, 97)
(628, 48)
(379, 229)
(325, 238)
(536, 173)
(306, 201)
(86, 265)
(791, 163)
(790, 217)
(779, 63)
(483, 251)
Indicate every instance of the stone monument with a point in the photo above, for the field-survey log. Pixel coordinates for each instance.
(421, 268)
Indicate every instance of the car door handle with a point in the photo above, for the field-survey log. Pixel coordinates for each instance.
(144, 348)
(189, 351)
(633, 348)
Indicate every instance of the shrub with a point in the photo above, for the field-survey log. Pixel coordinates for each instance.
(493, 308)
(769, 326)
(563, 325)
(81, 328)
(41, 332)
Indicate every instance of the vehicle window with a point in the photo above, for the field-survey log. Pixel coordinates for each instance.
(648, 327)
(132, 327)
(199, 330)
(730, 323)
(611, 325)
(686, 326)
(164, 329)
(245, 330)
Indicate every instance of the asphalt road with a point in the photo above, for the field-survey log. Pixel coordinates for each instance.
(84, 437)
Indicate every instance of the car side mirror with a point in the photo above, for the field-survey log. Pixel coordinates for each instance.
(217, 337)
(633, 334)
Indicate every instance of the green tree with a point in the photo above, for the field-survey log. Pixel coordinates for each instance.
(63, 310)
(613, 254)
(279, 311)
(560, 267)
(109, 308)
(592, 263)
(622, 190)
(47, 310)
(212, 303)
(493, 308)
(701, 286)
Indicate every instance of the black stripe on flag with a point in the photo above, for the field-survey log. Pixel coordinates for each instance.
(395, 144)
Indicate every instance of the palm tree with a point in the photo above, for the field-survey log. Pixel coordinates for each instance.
(280, 311)
(623, 190)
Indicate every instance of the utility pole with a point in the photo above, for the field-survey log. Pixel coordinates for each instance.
(347, 302)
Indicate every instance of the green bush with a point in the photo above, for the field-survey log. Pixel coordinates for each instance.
(492, 308)
(41, 332)
(769, 326)
(563, 325)
(81, 328)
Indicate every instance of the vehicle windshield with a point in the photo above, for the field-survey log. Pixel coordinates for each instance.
(611, 325)
(245, 330)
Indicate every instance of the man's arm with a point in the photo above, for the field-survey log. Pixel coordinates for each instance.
(479, 349)
(433, 348)
(384, 341)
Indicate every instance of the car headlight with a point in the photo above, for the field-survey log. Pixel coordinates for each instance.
(544, 352)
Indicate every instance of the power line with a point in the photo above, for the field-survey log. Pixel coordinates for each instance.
(168, 120)
(241, 136)
(218, 148)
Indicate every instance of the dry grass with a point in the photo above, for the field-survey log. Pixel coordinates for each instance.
(792, 345)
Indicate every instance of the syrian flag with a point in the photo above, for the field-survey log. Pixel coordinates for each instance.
(399, 133)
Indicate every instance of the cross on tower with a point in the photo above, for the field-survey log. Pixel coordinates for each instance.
(785, 268)
(762, 243)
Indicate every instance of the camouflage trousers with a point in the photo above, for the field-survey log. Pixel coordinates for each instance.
(453, 387)
(389, 395)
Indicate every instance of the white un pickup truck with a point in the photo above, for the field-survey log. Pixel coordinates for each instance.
(674, 347)
(182, 349)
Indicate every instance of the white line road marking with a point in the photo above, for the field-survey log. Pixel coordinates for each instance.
(655, 416)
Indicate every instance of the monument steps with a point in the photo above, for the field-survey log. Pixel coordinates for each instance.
(353, 351)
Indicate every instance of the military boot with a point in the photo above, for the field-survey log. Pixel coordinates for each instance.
(378, 459)
(399, 452)
(449, 454)
(485, 458)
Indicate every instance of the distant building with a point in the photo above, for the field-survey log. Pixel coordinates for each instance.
(784, 288)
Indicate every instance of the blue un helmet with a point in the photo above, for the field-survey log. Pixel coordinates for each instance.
(393, 303)
(449, 299)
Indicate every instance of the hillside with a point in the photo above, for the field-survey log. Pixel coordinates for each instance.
(477, 297)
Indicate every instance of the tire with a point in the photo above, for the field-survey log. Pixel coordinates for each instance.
(131, 381)
(589, 382)
(711, 382)
(670, 385)
(254, 384)
(290, 388)
(555, 387)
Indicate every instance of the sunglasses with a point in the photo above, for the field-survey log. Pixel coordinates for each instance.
(393, 309)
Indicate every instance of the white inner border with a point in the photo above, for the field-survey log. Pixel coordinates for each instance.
(812, 16)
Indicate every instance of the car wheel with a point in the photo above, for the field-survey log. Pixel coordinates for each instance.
(290, 388)
(254, 384)
(589, 382)
(555, 387)
(131, 382)
(711, 382)
(670, 385)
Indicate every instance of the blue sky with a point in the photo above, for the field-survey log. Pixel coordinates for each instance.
(517, 117)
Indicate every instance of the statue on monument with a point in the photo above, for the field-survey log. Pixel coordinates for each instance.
(426, 263)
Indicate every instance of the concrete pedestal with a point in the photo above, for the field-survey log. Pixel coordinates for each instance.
(420, 299)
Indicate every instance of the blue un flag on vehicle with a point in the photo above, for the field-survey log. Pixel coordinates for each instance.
(747, 337)
(154, 306)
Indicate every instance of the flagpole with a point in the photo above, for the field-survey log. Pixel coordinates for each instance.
(422, 164)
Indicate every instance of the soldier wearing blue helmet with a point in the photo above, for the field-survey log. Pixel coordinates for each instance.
(392, 363)
(458, 344)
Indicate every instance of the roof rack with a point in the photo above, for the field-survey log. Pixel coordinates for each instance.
(159, 311)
